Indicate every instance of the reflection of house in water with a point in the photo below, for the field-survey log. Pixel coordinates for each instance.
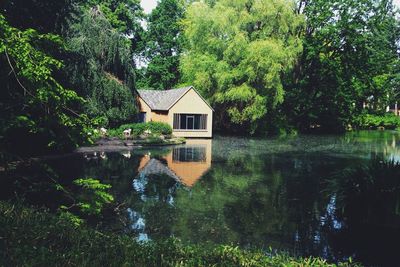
(186, 163)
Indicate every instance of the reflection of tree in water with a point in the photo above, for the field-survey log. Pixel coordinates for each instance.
(261, 201)
(368, 202)
(152, 201)
(258, 193)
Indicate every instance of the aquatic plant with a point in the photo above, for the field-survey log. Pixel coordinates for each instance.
(368, 190)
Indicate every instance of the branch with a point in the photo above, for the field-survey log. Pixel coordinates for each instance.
(26, 91)
(15, 75)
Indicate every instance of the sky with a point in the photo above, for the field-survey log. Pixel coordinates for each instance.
(148, 5)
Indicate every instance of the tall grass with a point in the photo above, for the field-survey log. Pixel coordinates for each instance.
(369, 192)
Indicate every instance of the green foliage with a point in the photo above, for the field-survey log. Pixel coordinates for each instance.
(163, 46)
(124, 16)
(38, 184)
(350, 56)
(93, 197)
(36, 109)
(237, 53)
(43, 16)
(371, 121)
(67, 216)
(37, 238)
(102, 67)
(154, 128)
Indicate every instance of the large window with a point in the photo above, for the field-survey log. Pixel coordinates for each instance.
(190, 121)
(189, 154)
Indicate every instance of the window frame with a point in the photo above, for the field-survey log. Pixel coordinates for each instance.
(178, 118)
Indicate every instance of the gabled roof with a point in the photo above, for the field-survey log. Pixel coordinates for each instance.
(165, 99)
(155, 167)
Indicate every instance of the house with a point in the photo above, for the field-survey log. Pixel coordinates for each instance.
(185, 164)
(184, 109)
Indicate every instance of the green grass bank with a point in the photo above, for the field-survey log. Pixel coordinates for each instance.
(37, 238)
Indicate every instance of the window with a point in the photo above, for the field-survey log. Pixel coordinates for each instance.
(190, 121)
(189, 154)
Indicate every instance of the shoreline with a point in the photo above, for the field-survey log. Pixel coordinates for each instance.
(111, 144)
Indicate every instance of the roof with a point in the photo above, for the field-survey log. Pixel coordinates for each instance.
(165, 99)
(155, 167)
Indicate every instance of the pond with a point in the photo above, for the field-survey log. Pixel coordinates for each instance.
(254, 193)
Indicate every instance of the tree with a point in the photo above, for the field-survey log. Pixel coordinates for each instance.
(236, 54)
(163, 46)
(101, 66)
(37, 113)
(125, 16)
(349, 55)
(44, 16)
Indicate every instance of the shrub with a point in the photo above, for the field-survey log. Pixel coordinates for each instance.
(156, 128)
(370, 121)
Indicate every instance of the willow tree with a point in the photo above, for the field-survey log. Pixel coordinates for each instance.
(102, 68)
(236, 53)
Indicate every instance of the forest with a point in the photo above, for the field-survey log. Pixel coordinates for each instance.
(301, 69)
(267, 67)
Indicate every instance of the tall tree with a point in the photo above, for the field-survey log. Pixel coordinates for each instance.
(163, 46)
(101, 66)
(44, 16)
(349, 56)
(125, 16)
(37, 114)
(236, 53)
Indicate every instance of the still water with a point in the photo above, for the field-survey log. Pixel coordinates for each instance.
(255, 193)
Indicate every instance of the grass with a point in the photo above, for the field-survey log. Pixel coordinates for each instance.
(37, 238)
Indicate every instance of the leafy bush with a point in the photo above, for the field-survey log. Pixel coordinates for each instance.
(89, 200)
(32, 238)
(156, 128)
(370, 121)
(39, 184)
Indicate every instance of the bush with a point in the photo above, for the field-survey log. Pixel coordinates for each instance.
(370, 121)
(156, 128)
(32, 238)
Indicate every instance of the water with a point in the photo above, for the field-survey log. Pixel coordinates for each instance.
(253, 193)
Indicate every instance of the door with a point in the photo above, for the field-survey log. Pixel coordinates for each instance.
(142, 117)
(190, 122)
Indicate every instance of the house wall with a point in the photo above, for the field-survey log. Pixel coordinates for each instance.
(160, 116)
(188, 172)
(192, 103)
(191, 172)
(143, 107)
